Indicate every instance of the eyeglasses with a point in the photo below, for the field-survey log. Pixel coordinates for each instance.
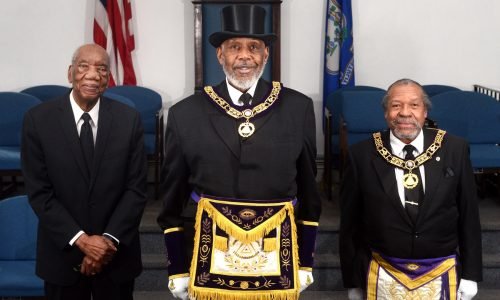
(85, 67)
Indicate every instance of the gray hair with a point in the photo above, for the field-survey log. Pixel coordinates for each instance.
(77, 52)
(406, 81)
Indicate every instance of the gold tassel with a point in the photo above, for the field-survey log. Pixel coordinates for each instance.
(295, 252)
(207, 293)
(245, 236)
(231, 229)
(270, 244)
(220, 243)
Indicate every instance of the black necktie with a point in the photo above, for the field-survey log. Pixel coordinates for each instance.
(413, 197)
(87, 141)
(245, 98)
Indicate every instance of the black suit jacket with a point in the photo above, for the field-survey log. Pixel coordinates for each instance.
(66, 199)
(373, 217)
(204, 153)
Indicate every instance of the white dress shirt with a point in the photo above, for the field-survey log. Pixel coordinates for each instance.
(235, 94)
(78, 112)
(397, 149)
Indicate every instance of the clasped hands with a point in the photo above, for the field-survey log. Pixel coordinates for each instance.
(98, 250)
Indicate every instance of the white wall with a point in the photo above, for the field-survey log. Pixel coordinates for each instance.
(452, 42)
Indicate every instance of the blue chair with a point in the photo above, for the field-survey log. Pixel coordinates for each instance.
(434, 89)
(18, 232)
(362, 115)
(149, 105)
(12, 108)
(475, 117)
(333, 108)
(121, 99)
(47, 91)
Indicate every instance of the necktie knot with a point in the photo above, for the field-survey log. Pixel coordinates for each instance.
(409, 151)
(245, 98)
(86, 117)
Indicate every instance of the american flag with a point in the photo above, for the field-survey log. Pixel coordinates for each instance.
(113, 31)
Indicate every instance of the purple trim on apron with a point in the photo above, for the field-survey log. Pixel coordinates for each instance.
(445, 292)
(196, 198)
(425, 265)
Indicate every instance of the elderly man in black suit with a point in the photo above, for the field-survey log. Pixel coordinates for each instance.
(241, 157)
(409, 216)
(89, 199)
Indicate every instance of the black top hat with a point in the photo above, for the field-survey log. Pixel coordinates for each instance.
(242, 21)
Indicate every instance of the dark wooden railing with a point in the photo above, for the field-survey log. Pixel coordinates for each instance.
(487, 91)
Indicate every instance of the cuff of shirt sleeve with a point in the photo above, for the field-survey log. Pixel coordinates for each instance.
(73, 240)
(306, 235)
(112, 238)
(468, 287)
(178, 276)
(176, 252)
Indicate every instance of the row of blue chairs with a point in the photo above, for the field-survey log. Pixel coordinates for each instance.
(353, 114)
(12, 108)
(475, 117)
(18, 232)
(13, 105)
(48, 92)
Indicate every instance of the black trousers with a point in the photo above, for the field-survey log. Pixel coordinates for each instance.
(97, 287)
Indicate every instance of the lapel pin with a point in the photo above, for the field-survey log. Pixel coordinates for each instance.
(438, 158)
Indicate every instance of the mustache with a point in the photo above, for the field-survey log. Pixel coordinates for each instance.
(405, 120)
(245, 65)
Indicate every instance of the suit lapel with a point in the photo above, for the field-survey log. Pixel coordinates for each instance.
(433, 172)
(387, 177)
(68, 125)
(104, 126)
(262, 91)
(225, 126)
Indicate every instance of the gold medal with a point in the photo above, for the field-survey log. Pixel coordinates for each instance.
(246, 129)
(410, 180)
(409, 164)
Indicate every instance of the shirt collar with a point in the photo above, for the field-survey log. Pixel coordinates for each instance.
(397, 145)
(78, 112)
(235, 94)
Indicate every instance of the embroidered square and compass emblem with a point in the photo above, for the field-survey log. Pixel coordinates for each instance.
(244, 250)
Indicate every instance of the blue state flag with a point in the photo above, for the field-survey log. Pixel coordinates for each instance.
(339, 51)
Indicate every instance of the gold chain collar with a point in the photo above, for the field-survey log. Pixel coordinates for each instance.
(247, 128)
(408, 164)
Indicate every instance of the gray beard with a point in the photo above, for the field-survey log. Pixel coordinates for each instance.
(407, 136)
(243, 85)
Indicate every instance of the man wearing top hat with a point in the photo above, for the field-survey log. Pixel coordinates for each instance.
(240, 167)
